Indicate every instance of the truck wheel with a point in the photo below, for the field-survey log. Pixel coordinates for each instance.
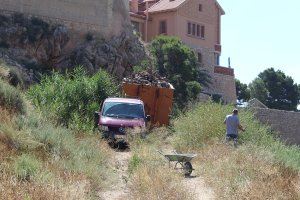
(122, 145)
(105, 135)
(188, 169)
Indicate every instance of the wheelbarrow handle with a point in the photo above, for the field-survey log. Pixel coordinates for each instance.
(160, 152)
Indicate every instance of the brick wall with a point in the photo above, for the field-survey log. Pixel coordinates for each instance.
(286, 123)
(225, 86)
(104, 16)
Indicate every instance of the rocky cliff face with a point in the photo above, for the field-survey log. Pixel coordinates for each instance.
(35, 45)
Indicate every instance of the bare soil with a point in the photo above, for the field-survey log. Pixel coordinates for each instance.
(120, 189)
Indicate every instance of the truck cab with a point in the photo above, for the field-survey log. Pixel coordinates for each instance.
(120, 114)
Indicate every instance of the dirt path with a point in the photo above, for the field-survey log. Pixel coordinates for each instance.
(120, 189)
(195, 184)
(198, 188)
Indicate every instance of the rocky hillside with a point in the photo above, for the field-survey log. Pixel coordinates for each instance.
(33, 45)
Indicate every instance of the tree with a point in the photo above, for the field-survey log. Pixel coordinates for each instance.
(242, 91)
(178, 63)
(276, 90)
(258, 90)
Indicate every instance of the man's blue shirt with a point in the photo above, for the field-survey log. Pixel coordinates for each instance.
(232, 124)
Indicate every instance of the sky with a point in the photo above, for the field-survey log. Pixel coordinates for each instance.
(259, 34)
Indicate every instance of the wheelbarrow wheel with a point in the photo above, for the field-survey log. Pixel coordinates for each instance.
(188, 168)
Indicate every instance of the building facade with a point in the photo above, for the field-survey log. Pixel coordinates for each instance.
(198, 24)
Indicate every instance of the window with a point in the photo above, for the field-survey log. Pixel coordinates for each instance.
(136, 26)
(189, 28)
(200, 7)
(199, 57)
(162, 27)
(217, 59)
(196, 30)
(202, 31)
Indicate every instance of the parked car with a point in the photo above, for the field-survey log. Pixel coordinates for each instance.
(118, 115)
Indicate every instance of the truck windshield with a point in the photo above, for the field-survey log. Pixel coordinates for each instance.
(123, 110)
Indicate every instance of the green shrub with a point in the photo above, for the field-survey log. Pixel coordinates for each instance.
(26, 167)
(71, 99)
(193, 89)
(11, 98)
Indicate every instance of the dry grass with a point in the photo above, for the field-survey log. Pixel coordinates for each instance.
(5, 116)
(151, 178)
(56, 177)
(4, 72)
(262, 167)
(245, 173)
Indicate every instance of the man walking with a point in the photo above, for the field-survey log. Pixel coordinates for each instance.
(232, 125)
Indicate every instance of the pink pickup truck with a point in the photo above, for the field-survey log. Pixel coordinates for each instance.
(117, 115)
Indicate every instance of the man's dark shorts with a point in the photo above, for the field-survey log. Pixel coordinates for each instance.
(232, 136)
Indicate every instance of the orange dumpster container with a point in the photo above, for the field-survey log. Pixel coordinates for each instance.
(158, 101)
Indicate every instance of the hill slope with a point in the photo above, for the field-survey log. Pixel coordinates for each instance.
(48, 161)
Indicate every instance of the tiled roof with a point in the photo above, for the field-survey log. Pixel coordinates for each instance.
(165, 5)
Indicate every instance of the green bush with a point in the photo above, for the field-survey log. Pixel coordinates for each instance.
(26, 166)
(193, 89)
(71, 99)
(11, 98)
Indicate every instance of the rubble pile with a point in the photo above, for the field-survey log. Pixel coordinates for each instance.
(148, 78)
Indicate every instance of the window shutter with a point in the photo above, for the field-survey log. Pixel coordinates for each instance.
(189, 28)
(194, 29)
(202, 31)
(163, 27)
(200, 7)
(198, 30)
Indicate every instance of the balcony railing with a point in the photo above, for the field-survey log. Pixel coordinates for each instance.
(224, 70)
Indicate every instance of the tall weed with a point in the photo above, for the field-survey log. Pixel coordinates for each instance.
(11, 98)
(26, 166)
(261, 167)
(204, 123)
(71, 99)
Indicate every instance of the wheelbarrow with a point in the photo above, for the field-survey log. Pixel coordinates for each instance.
(184, 160)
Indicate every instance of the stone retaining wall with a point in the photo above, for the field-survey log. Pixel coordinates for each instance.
(104, 16)
(286, 123)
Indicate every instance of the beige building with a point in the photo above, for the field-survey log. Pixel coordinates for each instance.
(198, 24)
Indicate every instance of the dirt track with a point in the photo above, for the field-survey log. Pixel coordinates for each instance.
(120, 190)
(195, 183)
